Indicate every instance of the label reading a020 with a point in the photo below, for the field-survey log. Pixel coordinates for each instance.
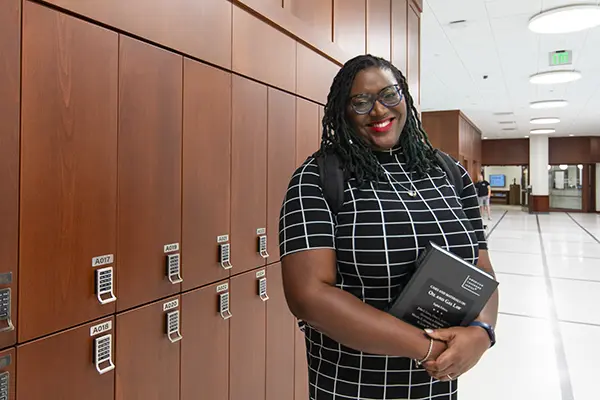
(222, 288)
(100, 328)
(171, 247)
(103, 260)
(171, 305)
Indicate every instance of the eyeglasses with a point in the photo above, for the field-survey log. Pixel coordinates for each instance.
(364, 103)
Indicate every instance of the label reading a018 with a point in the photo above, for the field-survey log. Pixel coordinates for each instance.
(171, 305)
(100, 328)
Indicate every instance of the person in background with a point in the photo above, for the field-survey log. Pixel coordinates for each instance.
(341, 270)
(484, 193)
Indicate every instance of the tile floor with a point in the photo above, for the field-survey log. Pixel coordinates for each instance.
(549, 324)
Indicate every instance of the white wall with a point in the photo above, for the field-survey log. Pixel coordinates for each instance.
(510, 172)
(538, 165)
(597, 187)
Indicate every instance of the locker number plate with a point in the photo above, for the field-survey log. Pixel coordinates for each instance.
(4, 389)
(103, 354)
(5, 305)
(225, 255)
(224, 305)
(174, 268)
(173, 326)
(262, 246)
(262, 289)
(104, 285)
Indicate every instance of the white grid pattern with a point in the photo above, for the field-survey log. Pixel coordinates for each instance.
(378, 234)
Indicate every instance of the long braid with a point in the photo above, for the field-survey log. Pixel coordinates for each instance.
(340, 137)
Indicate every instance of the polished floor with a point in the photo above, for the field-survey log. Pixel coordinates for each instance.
(548, 330)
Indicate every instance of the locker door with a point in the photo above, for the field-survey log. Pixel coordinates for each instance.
(150, 123)
(75, 364)
(281, 161)
(280, 339)
(249, 173)
(148, 349)
(206, 173)
(205, 349)
(8, 361)
(247, 357)
(307, 129)
(301, 367)
(10, 32)
(68, 171)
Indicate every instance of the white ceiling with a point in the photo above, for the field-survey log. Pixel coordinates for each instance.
(495, 41)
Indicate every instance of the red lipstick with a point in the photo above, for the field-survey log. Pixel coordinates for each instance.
(381, 126)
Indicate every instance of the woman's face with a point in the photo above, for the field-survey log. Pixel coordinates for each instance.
(382, 126)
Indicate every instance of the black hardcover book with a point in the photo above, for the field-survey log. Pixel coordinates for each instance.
(444, 291)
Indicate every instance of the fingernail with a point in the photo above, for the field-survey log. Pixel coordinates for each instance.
(429, 331)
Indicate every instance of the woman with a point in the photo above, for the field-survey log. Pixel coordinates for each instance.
(340, 271)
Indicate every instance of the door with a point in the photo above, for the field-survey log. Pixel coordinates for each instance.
(10, 54)
(248, 174)
(148, 348)
(150, 123)
(301, 367)
(206, 173)
(281, 161)
(74, 364)
(280, 339)
(7, 374)
(247, 356)
(68, 171)
(205, 350)
(308, 117)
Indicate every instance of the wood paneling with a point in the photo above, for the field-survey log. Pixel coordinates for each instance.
(10, 54)
(414, 55)
(307, 129)
(539, 204)
(183, 25)
(206, 171)
(248, 173)
(301, 366)
(349, 25)
(281, 161)
(505, 152)
(595, 149)
(569, 150)
(68, 170)
(150, 124)
(247, 352)
(8, 363)
(148, 361)
(400, 34)
(274, 63)
(316, 13)
(469, 145)
(379, 28)
(205, 347)
(315, 75)
(62, 366)
(442, 129)
(281, 327)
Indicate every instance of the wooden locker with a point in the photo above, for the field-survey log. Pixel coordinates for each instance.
(281, 161)
(148, 348)
(150, 125)
(10, 54)
(414, 54)
(205, 350)
(8, 360)
(301, 367)
(281, 327)
(307, 129)
(206, 173)
(68, 171)
(399, 34)
(74, 364)
(247, 352)
(248, 173)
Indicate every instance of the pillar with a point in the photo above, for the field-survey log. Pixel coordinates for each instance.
(538, 167)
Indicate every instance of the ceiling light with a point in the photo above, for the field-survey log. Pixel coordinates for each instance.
(552, 77)
(548, 104)
(566, 19)
(542, 121)
(526, 137)
(542, 131)
(564, 167)
(485, 137)
(571, 134)
(580, 166)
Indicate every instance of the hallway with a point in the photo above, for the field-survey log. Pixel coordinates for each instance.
(549, 271)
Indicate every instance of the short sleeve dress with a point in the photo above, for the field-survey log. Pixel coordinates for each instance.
(378, 234)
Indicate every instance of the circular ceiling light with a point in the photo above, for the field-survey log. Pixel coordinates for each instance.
(538, 105)
(564, 167)
(566, 19)
(548, 120)
(542, 131)
(553, 77)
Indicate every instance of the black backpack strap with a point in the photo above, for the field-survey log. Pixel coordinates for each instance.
(332, 180)
(449, 166)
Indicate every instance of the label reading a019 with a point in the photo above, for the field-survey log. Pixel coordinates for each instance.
(171, 247)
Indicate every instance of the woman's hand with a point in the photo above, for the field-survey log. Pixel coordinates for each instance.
(466, 345)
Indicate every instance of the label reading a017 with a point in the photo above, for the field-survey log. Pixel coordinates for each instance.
(103, 260)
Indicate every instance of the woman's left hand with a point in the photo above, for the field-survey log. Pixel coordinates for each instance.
(466, 346)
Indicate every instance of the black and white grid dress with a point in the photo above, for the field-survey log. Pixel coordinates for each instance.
(378, 234)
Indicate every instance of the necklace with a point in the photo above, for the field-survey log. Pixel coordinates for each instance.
(411, 192)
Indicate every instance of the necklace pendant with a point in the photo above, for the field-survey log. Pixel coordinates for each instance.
(412, 193)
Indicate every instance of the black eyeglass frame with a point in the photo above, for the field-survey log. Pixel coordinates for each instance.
(372, 98)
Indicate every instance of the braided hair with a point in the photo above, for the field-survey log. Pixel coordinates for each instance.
(355, 154)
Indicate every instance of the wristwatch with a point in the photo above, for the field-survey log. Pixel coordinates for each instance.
(488, 328)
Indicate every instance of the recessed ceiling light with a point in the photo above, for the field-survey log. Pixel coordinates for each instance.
(526, 137)
(542, 131)
(571, 134)
(541, 121)
(553, 77)
(566, 19)
(485, 137)
(548, 104)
